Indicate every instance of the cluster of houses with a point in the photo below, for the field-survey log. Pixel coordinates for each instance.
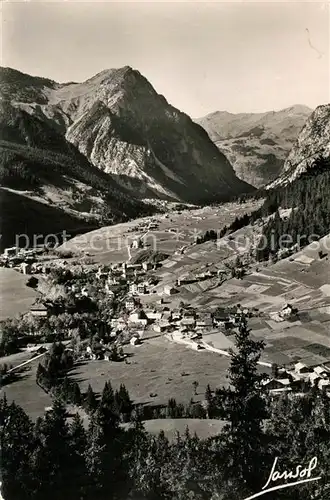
(285, 313)
(186, 279)
(21, 259)
(131, 274)
(148, 224)
(292, 379)
(184, 322)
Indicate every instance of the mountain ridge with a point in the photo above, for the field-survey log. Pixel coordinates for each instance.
(125, 128)
(313, 144)
(256, 144)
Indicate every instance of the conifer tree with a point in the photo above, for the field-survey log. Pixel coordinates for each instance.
(245, 409)
(90, 400)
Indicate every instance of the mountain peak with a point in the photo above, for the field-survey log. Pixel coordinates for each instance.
(298, 108)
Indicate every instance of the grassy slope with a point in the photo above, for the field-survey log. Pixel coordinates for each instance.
(22, 215)
(15, 297)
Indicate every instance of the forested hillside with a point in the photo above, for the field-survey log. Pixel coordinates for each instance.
(48, 186)
(309, 219)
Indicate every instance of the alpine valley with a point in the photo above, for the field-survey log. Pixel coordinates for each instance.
(256, 144)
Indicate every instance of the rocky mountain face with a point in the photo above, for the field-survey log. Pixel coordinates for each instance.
(118, 122)
(256, 144)
(313, 144)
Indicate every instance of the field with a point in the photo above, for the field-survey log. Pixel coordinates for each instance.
(159, 367)
(15, 297)
(302, 280)
(25, 391)
(203, 428)
(306, 286)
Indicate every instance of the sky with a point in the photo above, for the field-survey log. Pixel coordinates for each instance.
(202, 56)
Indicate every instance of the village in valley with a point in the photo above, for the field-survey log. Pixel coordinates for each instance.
(173, 299)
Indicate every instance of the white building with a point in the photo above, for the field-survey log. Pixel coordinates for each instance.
(39, 310)
(25, 268)
(169, 290)
(321, 371)
(162, 326)
(324, 384)
(300, 368)
(10, 252)
(286, 311)
(135, 340)
(130, 303)
(138, 288)
(153, 315)
(138, 317)
(138, 243)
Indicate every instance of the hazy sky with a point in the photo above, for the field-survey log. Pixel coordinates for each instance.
(203, 56)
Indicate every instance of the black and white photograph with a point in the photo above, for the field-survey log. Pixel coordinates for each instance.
(164, 250)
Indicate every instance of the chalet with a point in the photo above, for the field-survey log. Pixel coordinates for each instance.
(314, 378)
(10, 252)
(322, 371)
(204, 322)
(137, 243)
(324, 384)
(134, 267)
(220, 319)
(39, 310)
(111, 293)
(162, 326)
(188, 322)
(189, 313)
(277, 385)
(176, 315)
(138, 316)
(138, 288)
(131, 303)
(36, 267)
(153, 314)
(135, 340)
(204, 275)
(169, 290)
(118, 323)
(300, 368)
(101, 274)
(25, 268)
(167, 316)
(196, 346)
(286, 311)
(112, 280)
(184, 280)
(98, 351)
(107, 355)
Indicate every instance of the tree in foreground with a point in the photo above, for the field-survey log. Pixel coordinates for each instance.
(245, 408)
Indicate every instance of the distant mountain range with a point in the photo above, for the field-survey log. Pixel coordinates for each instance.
(94, 151)
(256, 144)
(102, 151)
(313, 144)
